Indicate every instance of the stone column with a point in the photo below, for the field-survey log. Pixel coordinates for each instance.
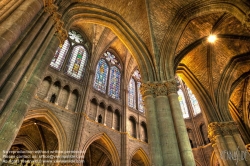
(105, 115)
(179, 124)
(46, 98)
(67, 105)
(153, 132)
(18, 109)
(112, 123)
(58, 95)
(169, 145)
(97, 112)
(230, 147)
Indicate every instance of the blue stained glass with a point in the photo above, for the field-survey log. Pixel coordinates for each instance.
(132, 94)
(194, 102)
(60, 55)
(114, 82)
(140, 102)
(77, 61)
(183, 104)
(101, 76)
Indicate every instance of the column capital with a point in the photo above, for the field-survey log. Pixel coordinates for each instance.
(147, 89)
(172, 86)
(159, 88)
(221, 129)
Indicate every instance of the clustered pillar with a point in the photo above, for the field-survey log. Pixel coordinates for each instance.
(227, 143)
(168, 139)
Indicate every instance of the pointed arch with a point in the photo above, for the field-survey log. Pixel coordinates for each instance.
(55, 123)
(100, 15)
(142, 154)
(109, 144)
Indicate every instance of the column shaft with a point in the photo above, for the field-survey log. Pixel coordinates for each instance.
(153, 132)
(169, 144)
(181, 131)
(18, 109)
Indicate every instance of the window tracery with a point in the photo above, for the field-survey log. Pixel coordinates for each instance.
(72, 47)
(134, 95)
(108, 76)
(185, 93)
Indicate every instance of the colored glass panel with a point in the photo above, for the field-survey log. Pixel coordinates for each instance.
(140, 102)
(60, 55)
(100, 81)
(183, 104)
(110, 57)
(114, 82)
(75, 36)
(77, 62)
(194, 102)
(132, 94)
(137, 75)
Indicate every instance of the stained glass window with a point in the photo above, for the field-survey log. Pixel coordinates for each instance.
(183, 104)
(77, 37)
(60, 55)
(140, 102)
(110, 57)
(114, 82)
(77, 57)
(137, 74)
(194, 102)
(77, 62)
(132, 94)
(101, 75)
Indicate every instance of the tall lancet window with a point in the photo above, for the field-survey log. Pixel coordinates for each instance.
(183, 104)
(134, 95)
(101, 76)
(194, 102)
(187, 97)
(74, 50)
(60, 55)
(108, 75)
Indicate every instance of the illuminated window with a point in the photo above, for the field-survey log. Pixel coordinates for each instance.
(134, 95)
(60, 55)
(108, 72)
(114, 82)
(183, 104)
(194, 102)
(193, 105)
(77, 61)
(101, 76)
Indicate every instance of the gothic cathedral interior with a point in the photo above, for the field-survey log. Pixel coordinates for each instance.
(125, 83)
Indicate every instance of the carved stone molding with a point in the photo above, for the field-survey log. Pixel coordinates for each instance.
(161, 89)
(247, 19)
(172, 86)
(147, 89)
(221, 129)
(158, 88)
(59, 24)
